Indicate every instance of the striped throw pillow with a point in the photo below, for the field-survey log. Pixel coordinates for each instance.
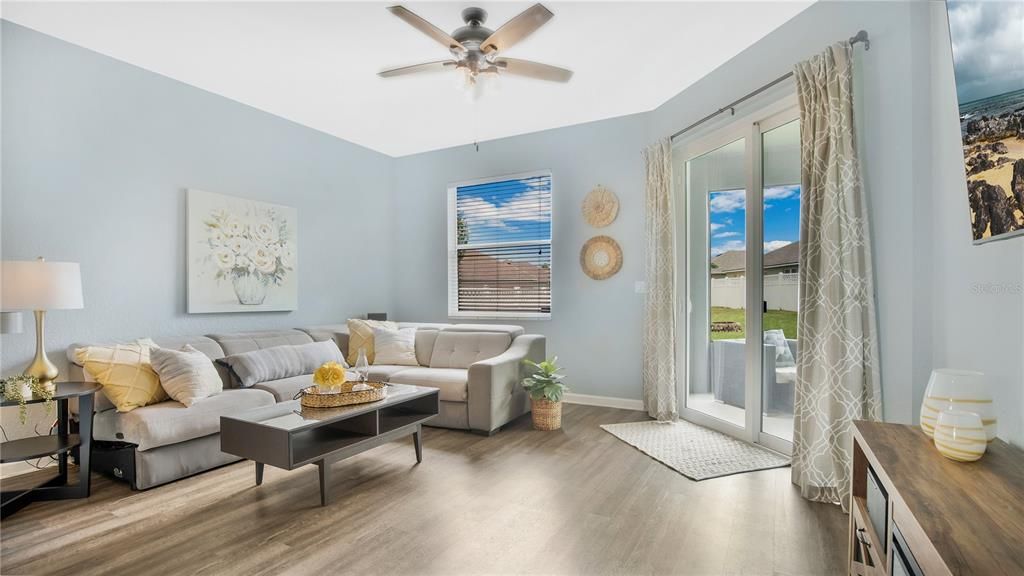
(187, 375)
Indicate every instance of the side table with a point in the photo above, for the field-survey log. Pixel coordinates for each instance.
(60, 444)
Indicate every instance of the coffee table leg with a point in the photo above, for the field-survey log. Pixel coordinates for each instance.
(417, 440)
(259, 473)
(325, 480)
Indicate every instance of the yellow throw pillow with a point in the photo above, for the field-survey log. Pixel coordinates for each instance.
(125, 373)
(360, 335)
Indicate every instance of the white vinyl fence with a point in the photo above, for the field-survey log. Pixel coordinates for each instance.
(780, 292)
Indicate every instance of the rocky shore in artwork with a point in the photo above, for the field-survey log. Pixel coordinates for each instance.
(994, 159)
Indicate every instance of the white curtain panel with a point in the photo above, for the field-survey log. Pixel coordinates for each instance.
(837, 369)
(659, 369)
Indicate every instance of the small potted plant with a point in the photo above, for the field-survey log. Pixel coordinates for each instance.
(546, 390)
(22, 388)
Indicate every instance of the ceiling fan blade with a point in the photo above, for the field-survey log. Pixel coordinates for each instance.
(416, 68)
(533, 69)
(516, 29)
(427, 28)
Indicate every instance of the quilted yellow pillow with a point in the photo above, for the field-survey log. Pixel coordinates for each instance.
(125, 373)
(360, 335)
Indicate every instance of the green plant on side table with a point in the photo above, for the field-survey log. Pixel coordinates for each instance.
(21, 388)
(546, 390)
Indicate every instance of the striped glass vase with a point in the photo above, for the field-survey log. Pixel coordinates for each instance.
(960, 436)
(965, 390)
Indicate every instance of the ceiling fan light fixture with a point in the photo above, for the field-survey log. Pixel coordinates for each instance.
(475, 49)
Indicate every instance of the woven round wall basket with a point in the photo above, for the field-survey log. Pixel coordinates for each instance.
(600, 207)
(314, 397)
(601, 257)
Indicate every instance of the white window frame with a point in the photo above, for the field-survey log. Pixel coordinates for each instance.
(454, 247)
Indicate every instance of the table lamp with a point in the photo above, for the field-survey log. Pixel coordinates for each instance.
(40, 286)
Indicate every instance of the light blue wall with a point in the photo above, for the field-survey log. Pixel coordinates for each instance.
(892, 139)
(96, 157)
(596, 325)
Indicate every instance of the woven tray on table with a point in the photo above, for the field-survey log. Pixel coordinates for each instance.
(313, 397)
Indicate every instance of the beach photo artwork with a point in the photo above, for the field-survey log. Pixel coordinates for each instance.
(988, 62)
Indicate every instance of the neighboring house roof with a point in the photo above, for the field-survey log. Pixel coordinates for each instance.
(478, 266)
(788, 255)
(736, 260)
(731, 261)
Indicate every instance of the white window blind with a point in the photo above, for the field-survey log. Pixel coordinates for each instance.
(499, 247)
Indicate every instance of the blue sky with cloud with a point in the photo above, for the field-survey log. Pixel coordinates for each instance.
(727, 215)
(506, 211)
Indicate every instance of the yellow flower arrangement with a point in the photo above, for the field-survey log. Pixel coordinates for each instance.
(329, 375)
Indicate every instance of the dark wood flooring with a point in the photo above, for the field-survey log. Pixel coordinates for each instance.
(577, 501)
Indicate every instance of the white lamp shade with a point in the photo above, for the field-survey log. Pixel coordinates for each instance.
(40, 285)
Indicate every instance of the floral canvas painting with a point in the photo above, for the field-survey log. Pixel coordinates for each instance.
(242, 255)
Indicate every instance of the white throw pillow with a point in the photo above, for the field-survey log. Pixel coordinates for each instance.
(395, 347)
(187, 375)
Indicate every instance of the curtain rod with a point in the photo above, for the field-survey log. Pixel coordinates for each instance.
(860, 37)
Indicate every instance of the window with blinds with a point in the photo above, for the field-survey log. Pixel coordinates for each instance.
(499, 247)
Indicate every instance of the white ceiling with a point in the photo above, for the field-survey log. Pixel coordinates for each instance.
(316, 63)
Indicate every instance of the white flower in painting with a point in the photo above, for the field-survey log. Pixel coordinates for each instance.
(264, 261)
(224, 258)
(275, 249)
(265, 231)
(217, 237)
(239, 246)
(233, 227)
(244, 262)
(287, 256)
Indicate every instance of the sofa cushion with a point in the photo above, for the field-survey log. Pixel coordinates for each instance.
(281, 362)
(336, 332)
(455, 349)
(286, 388)
(424, 325)
(425, 339)
(450, 381)
(383, 372)
(171, 422)
(239, 342)
(512, 330)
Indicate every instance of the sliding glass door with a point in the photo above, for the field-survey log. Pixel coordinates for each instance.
(738, 189)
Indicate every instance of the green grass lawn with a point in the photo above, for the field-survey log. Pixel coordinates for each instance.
(773, 320)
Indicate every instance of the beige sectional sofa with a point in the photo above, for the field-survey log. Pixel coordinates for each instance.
(476, 367)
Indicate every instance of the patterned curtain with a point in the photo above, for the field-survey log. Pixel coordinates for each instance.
(660, 306)
(837, 369)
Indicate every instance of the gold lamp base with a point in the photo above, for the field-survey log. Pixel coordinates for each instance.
(41, 367)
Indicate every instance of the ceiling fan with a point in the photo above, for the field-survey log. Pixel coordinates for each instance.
(475, 49)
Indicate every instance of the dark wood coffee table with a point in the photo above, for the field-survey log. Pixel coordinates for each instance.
(289, 435)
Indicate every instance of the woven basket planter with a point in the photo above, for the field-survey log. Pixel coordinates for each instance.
(547, 415)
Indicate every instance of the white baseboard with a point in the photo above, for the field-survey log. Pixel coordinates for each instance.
(603, 401)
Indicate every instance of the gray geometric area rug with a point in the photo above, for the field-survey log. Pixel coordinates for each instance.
(695, 451)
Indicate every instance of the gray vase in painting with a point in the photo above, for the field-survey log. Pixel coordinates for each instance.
(250, 289)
